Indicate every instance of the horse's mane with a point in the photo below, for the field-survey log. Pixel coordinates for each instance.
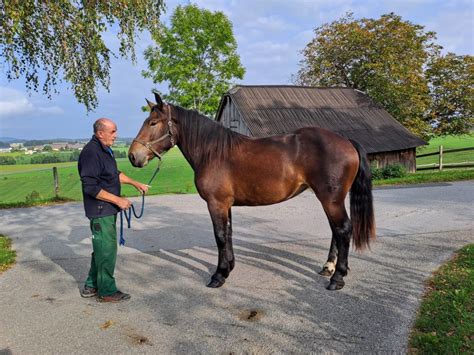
(205, 140)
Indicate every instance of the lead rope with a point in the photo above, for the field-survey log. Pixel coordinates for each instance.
(128, 212)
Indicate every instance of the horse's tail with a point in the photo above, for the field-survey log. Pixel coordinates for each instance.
(362, 210)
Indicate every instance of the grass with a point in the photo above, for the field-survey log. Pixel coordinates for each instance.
(430, 176)
(7, 256)
(175, 176)
(445, 323)
(26, 168)
(39, 202)
(448, 142)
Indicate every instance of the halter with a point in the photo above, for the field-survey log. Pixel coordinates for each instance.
(149, 145)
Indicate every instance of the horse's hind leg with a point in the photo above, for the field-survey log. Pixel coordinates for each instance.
(220, 221)
(230, 248)
(330, 266)
(342, 232)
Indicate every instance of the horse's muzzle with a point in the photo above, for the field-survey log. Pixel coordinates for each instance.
(137, 160)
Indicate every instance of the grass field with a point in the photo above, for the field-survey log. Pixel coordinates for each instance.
(448, 142)
(445, 322)
(19, 181)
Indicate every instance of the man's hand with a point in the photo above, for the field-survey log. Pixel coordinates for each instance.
(142, 188)
(123, 203)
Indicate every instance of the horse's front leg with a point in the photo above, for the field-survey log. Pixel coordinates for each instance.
(219, 216)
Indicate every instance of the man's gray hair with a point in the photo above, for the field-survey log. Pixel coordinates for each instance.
(99, 125)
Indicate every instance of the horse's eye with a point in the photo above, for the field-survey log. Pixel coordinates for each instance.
(153, 123)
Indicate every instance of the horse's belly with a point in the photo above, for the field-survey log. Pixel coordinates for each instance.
(266, 193)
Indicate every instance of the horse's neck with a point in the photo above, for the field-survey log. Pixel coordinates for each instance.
(189, 157)
(196, 156)
(183, 145)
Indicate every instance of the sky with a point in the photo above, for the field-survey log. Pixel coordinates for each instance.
(270, 36)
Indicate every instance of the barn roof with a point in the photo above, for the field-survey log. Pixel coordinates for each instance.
(270, 110)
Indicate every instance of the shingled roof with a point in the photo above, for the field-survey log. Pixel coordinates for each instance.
(270, 110)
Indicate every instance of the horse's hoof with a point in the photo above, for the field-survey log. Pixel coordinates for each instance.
(335, 285)
(326, 272)
(215, 283)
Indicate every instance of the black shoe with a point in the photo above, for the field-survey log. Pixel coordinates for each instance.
(114, 298)
(88, 292)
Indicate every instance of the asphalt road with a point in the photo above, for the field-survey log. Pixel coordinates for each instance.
(273, 302)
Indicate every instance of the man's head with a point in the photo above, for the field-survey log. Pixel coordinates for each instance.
(106, 131)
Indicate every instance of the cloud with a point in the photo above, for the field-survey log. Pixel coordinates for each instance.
(270, 23)
(455, 37)
(14, 103)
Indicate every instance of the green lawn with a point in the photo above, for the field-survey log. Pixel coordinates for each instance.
(445, 322)
(448, 142)
(22, 168)
(16, 182)
(429, 176)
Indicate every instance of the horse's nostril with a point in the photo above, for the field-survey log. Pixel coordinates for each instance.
(131, 157)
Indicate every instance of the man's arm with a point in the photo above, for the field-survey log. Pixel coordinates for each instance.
(123, 203)
(124, 179)
(89, 168)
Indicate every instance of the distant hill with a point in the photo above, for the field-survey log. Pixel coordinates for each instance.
(54, 140)
(11, 140)
(58, 140)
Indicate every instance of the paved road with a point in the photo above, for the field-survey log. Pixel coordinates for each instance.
(274, 300)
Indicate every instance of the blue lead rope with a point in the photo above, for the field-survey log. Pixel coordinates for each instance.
(128, 212)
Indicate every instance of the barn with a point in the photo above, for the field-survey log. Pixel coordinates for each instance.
(259, 111)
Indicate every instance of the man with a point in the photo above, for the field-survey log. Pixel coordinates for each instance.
(101, 191)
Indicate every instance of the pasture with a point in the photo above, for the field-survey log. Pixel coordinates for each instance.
(448, 142)
(19, 181)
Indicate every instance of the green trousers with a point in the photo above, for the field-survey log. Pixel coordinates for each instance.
(104, 244)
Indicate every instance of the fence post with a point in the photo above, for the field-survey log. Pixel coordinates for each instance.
(56, 181)
(440, 157)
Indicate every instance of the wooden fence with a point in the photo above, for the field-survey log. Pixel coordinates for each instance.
(440, 166)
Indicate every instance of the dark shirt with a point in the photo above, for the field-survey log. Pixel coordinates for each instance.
(98, 170)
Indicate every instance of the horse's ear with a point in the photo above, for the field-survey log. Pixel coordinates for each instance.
(150, 104)
(159, 103)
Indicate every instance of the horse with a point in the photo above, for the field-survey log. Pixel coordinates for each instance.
(232, 169)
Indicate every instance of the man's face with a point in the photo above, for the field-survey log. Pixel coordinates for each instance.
(108, 135)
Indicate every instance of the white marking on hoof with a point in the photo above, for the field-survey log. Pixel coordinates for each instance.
(331, 266)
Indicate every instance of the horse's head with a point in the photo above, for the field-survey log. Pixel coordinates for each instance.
(157, 135)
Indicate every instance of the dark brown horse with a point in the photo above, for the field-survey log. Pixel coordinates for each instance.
(235, 170)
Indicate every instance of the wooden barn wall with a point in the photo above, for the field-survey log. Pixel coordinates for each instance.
(231, 118)
(405, 157)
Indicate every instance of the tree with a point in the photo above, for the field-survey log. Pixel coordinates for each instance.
(197, 56)
(6, 160)
(383, 57)
(64, 39)
(451, 83)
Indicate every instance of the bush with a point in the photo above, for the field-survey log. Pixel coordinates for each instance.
(33, 196)
(45, 159)
(4, 160)
(390, 171)
(75, 155)
(120, 154)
